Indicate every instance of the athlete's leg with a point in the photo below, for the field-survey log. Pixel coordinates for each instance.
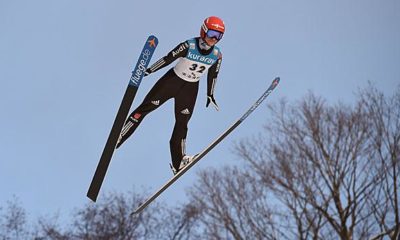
(163, 90)
(184, 105)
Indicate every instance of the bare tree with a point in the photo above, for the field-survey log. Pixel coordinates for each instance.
(232, 206)
(110, 218)
(179, 223)
(384, 114)
(13, 222)
(334, 168)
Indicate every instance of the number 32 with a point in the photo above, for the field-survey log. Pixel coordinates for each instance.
(194, 68)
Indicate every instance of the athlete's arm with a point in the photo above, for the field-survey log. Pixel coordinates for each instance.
(179, 51)
(211, 82)
(212, 76)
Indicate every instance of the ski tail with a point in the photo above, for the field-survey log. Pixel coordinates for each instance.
(129, 96)
(199, 156)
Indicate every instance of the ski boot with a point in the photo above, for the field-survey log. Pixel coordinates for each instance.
(185, 161)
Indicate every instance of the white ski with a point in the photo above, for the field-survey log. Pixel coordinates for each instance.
(207, 149)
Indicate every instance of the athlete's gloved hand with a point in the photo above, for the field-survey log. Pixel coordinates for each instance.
(147, 72)
(210, 99)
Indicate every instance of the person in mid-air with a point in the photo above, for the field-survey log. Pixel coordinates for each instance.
(196, 56)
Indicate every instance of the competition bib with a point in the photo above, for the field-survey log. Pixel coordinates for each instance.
(194, 64)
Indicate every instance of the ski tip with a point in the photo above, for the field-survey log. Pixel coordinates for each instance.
(92, 199)
(136, 212)
(92, 196)
(140, 207)
(275, 82)
(153, 41)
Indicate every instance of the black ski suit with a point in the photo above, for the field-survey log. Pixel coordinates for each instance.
(180, 83)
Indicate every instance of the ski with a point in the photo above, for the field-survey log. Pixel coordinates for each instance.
(130, 93)
(199, 156)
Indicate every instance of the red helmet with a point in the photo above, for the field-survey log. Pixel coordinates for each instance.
(212, 27)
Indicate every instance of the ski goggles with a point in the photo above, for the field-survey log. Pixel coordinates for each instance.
(214, 34)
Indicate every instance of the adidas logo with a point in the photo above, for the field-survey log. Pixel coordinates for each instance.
(185, 111)
(157, 102)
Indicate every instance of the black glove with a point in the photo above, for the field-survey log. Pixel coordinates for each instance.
(210, 99)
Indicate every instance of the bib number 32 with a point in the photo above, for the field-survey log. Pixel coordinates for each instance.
(197, 68)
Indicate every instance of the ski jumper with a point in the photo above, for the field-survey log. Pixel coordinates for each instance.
(181, 83)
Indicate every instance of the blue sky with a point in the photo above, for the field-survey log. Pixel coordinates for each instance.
(64, 66)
